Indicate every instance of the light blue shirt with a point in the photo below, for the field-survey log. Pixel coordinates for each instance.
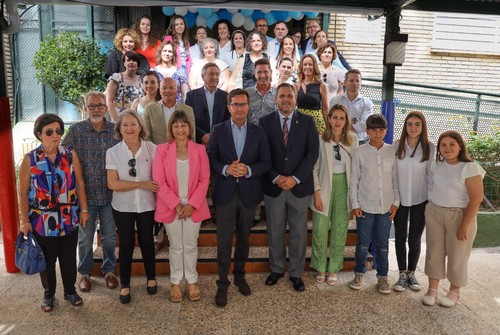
(239, 138)
(210, 103)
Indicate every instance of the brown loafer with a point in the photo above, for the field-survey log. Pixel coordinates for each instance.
(194, 292)
(111, 281)
(85, 284)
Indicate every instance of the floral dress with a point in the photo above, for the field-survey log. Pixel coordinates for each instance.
(53, 204)
(125, 94)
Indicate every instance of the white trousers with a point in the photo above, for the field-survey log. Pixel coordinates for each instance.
(183, 250)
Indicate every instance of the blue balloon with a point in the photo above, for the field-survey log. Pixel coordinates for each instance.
(257, 14)
(294, 15)
(280, 15)
(190, 19)
(311, 14)
(270, 18)
(246, 12)
(211, 20)
(168, 11)
(205, 12)
(224, 14)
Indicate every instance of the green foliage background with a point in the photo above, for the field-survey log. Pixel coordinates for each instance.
(70, 66)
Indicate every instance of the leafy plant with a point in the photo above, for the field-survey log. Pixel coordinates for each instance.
(485, 149)
(70, 66)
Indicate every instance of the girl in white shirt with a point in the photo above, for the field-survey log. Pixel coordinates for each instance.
(414, 152)
(455, 193)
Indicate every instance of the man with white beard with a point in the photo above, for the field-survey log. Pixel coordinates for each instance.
(90, 139)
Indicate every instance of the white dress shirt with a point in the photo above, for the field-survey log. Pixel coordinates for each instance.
(374, 179)
(117, 158)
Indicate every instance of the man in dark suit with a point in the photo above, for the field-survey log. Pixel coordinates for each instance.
(288, 185)
(208, 103)
(239, 154)
(306, 46)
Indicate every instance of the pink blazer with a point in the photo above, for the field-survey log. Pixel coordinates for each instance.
(165, 173)
(179, 61)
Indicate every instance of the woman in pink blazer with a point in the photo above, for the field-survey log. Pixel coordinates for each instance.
(177, 32)
(182, 172)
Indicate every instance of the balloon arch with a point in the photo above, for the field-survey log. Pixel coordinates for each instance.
(245, 18)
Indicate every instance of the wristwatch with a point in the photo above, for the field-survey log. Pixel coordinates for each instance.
(84, 210)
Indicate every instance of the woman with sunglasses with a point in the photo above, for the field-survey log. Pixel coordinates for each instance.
(182, 171)
(330, 203)
(129, 172)
(53, 202)
(331, 75)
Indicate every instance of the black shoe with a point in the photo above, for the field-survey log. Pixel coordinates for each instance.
(242, 285)
(221, 297)
(152, 289)
(125, 299)
(75, 299)
(298, 284)
(272, 279)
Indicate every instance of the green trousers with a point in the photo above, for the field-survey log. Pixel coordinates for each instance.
(337, 223)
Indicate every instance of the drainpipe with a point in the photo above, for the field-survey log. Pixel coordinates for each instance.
(12, 25)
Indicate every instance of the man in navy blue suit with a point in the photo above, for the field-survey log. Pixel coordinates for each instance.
(239, 154)
(208, 103)
(288, 185)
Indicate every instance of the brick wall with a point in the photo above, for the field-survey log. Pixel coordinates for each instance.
(472, 72)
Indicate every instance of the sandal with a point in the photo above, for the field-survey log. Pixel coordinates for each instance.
(320, 278)
(75, 299)
(47, 304)
(175, 293)
(331, 279)
(194, 292)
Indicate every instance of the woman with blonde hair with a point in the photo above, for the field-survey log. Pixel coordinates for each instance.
(125, 40)
(330, 203)
(312, 94)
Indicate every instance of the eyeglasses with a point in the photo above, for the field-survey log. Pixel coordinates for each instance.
(51, 132)
(94, 107)
(324, 78)
(261, 25)
(315, 27)
(132, 172)
(237, 105)
(336, 148)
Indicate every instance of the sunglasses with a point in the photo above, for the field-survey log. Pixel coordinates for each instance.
(324, 78)
(51, 132)
(132, 172)
(336, 148)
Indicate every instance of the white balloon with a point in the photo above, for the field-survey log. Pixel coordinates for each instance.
(238, 20)
(201, 21)
(181, 11)
(288, 19)
(233, 10)
(249, 24)
(193, 10)
(265, 11)
(301, 16)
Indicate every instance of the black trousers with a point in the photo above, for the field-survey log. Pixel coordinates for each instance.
(233, 217)
(64, 249)
(125, 225)
(417, 225)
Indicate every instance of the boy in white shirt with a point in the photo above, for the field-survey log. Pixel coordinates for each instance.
(374, 196)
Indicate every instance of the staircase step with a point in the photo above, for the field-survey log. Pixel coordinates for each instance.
(207, 260)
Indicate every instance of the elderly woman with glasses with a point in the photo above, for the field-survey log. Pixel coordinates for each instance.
(330, 203)
(129, 172)
(53, 202)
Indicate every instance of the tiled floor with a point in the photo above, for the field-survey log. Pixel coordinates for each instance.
(269, 310)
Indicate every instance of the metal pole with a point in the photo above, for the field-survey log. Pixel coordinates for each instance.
(476, 115)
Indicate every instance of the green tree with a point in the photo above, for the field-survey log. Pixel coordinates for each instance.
(70, 66)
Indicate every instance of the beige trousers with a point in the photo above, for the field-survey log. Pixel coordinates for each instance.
(441, 229)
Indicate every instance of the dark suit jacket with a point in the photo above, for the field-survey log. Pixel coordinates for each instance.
(255, 154)
(344, 62)
(197, 100)
(297, 158)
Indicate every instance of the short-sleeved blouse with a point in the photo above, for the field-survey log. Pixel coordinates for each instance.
(447, 186)
(125, 94)
(180, 77)
(117, 158)
(53, 204)
(332, 79)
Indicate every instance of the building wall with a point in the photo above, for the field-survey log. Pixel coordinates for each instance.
(472, 72)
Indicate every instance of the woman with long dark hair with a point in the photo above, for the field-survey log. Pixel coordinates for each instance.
(177, 32)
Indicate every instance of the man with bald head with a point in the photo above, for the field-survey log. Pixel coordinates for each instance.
(156, 116)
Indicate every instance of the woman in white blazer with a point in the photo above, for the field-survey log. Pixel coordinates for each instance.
(330, 203)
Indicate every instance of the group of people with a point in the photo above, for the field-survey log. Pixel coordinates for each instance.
(289, 146)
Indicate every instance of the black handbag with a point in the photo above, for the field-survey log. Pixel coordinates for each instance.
(29, 255)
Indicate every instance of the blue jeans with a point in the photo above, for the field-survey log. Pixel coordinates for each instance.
(376, 227)
(108, 240)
